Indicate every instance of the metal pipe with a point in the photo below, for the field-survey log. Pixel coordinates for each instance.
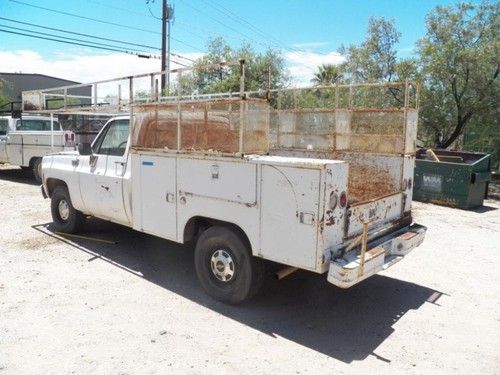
(364, 240)
(52, 132)
(285, 272)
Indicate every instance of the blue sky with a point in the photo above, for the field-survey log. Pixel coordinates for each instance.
(308, 33)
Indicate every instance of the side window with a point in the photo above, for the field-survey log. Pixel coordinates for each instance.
(36, 125)
(4, 126)
(115, 140)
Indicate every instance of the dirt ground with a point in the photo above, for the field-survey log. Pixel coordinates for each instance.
(135, 306)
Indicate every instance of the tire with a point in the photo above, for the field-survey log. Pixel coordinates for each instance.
(224, 250)
(64, 216)
(37, 169)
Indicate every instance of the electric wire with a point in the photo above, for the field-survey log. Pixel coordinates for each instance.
(103, 22)
(68, 38)
(76, 33)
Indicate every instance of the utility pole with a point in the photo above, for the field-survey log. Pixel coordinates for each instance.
(167, 16)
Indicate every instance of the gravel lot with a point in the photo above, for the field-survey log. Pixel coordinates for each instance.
(135, 306)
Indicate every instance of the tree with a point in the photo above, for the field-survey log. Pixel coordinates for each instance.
(375, 59)
(327, 74)
(460, 58)
(225, 79)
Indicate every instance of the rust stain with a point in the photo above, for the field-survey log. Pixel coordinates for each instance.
(205, 126)
(367, 182)
(407, 235)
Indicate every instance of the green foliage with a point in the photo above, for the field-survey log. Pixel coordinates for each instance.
(226, 79)
(328, 74)
(460, 65)
(457, 63)
(375, 59)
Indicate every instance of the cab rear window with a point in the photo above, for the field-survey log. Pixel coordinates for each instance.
(4, 125)
(36, 125)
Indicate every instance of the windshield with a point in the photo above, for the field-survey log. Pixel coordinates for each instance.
(36, 125)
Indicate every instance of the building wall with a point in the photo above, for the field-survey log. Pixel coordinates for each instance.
(16, 83)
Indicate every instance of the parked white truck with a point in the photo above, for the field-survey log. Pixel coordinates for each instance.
(25, 140)
(208, 171)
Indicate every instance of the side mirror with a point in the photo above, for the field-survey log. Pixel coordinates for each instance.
(84, 149)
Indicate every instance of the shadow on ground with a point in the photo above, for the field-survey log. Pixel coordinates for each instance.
(345, 324)
(484, 208)
(15, 174)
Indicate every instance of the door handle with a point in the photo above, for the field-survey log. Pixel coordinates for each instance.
(75, 162)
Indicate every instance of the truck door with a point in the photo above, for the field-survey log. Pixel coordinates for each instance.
(100, 174)
(4, 127)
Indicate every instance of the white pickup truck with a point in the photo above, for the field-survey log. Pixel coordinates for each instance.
(25, 140)
(203, 172)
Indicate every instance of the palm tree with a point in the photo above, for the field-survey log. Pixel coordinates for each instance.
(327, 74)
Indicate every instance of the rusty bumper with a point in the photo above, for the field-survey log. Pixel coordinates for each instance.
(382, 253)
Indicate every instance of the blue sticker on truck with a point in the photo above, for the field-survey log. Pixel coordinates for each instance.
(148, 163)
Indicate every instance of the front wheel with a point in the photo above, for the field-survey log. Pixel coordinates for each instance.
(225, 266)
(64, 216)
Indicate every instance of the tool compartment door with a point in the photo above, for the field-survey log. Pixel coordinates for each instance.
(289, 215)
(154, 195)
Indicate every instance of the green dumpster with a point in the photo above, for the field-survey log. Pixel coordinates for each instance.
(451, 178)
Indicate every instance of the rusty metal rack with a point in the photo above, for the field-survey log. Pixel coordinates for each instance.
(373, 117)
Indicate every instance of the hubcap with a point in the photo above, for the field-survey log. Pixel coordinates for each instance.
(63, 209)
(222, 265)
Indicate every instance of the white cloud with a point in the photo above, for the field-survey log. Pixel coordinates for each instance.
(308, 45)
(80, 67)
(86, 66)
(302, 65)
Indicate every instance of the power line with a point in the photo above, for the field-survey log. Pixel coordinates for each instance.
(101, 21)
(128, 11)
(221, 23)
(239, 20)
(76, 33)
(68, 38)
(74, 43)
(85, 18)
(89, 45)
(86, 35)
(228, 13)
(182, 57)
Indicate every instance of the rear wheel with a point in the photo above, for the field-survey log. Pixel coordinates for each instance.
(225, 266)
(37, 169)
(64, 216)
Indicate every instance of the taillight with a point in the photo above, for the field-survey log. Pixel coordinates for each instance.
(343, 199)
(409, 183)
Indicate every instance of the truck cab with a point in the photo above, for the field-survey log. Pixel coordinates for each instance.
(25, 140)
